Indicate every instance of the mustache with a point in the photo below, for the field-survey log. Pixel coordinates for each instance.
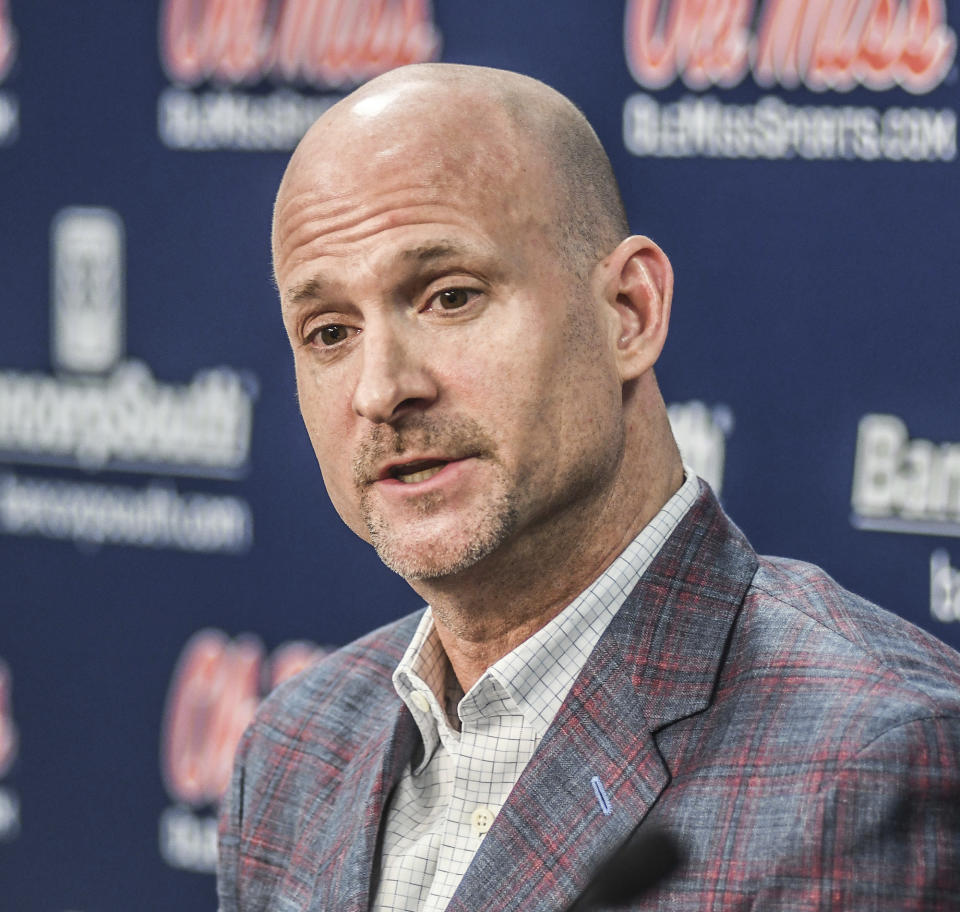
(448, 438)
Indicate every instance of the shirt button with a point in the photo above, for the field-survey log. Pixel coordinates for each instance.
(481, 820)
(419, 699)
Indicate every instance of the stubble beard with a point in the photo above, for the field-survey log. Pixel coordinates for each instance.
(427, 557)
(413, 550)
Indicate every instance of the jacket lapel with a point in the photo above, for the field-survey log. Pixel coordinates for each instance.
(552, 833)
(657, 663)
(340, 850)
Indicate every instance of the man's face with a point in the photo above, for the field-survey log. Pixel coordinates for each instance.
(456, 381)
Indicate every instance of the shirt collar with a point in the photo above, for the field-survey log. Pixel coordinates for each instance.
(422, 679)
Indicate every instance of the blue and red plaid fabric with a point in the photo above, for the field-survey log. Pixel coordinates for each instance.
(801, 744)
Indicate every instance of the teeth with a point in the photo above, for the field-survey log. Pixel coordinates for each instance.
(419, 476)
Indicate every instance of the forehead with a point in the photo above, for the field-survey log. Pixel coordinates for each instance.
(352, 190)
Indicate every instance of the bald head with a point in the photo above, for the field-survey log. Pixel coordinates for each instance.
(535, 137)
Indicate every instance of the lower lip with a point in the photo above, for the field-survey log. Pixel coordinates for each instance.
(449, 474)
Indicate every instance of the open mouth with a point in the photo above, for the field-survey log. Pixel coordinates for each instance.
(413, 472)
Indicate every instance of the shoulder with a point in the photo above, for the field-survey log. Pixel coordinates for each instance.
(798, 625)
(308, 743)
(355, 678)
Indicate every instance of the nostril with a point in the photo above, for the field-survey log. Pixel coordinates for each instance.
(413, 403)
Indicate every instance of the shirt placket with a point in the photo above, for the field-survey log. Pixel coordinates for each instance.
(494, 745)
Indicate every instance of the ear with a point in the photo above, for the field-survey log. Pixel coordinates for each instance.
(638, 289)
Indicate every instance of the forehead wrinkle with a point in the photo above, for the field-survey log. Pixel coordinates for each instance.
(306, 204)
(331, 206)
(329, 197)
(307, 240)
(304, 209)
(328, 191)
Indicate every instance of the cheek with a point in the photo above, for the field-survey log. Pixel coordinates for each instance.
(580, 405)
(510, 387)
(500, 385)
(328, 433)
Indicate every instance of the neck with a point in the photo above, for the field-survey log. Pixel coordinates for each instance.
(486, 611)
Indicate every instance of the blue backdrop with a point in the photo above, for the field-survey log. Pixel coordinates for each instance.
(166, 546)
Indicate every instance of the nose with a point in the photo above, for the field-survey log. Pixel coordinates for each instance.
(394, 376)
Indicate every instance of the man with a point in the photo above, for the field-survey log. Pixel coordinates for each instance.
(474, 335)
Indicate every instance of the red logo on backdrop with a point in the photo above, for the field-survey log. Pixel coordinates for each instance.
(8, 731)
(821, 44)
(215, 690)
(8, 42)
(319, 42)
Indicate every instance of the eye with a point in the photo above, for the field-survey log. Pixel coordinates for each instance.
(454, 298)
(332, 334)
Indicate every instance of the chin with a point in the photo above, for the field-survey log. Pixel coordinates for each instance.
(430, 563)
(434, 551)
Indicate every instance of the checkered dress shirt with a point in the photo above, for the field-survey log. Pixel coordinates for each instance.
(448, 798)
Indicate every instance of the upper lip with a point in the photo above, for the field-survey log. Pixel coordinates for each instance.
(411, 464)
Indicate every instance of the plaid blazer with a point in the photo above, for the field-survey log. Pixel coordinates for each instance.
(802, 744)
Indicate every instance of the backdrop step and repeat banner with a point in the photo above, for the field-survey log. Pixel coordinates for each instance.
(167, 550)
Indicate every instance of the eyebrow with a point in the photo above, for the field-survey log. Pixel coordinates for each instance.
(308, 291)
(431, 252)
